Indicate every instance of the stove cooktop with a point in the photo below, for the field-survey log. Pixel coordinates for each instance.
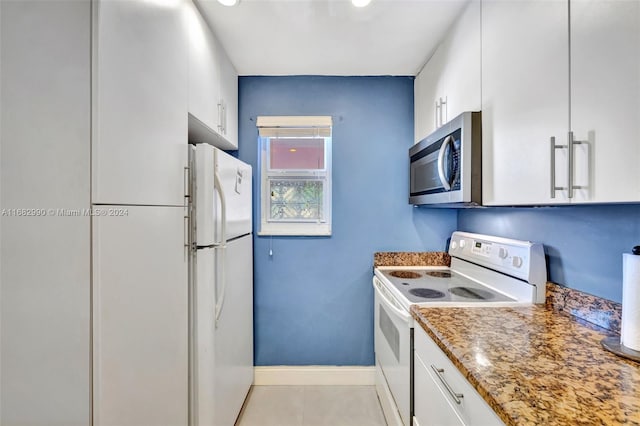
(445, 285)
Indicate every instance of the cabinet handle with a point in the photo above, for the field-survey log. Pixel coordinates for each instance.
(187, 245)
(443, 111)
(224, 117)
(436, 114)
(554, 188)
(220, 116)
(571, 144)
(186, 185)
(457, 397)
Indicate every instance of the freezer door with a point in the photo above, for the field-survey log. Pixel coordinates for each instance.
(235, 179)
(205, 197)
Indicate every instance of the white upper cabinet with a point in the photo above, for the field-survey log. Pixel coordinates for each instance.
(213, 87)
(140, 96)
(568, 70)
(605, 99)
(229, 99)
(525, 97)
(204, 72)
(426, 88)
(449, 83)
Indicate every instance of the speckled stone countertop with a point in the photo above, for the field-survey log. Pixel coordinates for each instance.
(537, 366)
(407, 258)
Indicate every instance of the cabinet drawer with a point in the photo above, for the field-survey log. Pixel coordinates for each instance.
(471, 408)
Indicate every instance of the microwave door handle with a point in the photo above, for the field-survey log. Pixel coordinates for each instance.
(443, 149)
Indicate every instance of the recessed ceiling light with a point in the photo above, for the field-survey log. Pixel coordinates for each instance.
(358, 3)
(228, 2)
(292, 150)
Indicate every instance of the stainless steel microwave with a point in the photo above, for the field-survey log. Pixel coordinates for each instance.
(445, 168)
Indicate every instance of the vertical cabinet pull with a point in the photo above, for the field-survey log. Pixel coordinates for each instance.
(555, 188)
(186, 185)
(572, 143)
(444, 117)
(220, 116)
(441, 112)
(224, 117)
(570, 146)
(457, 397)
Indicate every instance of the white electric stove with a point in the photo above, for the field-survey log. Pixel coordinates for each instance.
(484, 271)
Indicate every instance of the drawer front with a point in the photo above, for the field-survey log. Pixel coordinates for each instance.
(470, 408)
(433, 405)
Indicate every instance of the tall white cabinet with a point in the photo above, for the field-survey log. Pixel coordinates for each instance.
(139, 157)
(93, 267)
(44, 186)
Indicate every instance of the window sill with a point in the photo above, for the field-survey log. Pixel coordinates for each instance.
(296, 230)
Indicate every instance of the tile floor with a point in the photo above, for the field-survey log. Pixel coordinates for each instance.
(312, 406)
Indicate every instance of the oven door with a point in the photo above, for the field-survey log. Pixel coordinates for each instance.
(392, 334)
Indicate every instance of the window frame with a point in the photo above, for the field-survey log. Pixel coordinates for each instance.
(297, 227)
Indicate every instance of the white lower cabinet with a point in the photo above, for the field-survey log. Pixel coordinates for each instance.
(140, 317)
(442, 396)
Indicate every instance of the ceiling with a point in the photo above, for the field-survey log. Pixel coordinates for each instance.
(330, 37)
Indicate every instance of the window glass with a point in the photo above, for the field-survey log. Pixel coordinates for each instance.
(296, 153)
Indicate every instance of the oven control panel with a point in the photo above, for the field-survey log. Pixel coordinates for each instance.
(521, 259)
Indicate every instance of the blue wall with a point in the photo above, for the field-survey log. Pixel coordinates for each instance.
(313, 298)
(584, 244)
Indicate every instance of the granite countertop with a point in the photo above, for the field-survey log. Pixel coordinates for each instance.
(408, 258)
(537, 366)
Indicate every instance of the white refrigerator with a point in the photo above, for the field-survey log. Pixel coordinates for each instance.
(222, 286)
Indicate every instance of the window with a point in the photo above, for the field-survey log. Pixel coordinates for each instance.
(295, 173)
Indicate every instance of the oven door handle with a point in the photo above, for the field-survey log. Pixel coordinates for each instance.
(441, 174)
(400, 313)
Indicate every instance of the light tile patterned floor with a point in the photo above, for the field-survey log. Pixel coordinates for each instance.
(312, 406)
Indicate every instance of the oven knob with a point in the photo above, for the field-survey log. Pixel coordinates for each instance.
(517, 261)
(454, 245)
(462, 243)
(503, 253)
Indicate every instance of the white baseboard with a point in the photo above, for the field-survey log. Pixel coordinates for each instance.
(313, 375)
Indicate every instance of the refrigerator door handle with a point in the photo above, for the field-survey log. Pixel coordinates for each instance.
(219, 302)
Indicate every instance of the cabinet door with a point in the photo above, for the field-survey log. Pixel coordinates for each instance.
(229, 96)
(525, 88)
(426, 92)
(605, 99)
(462, 70)
(45, 185)
(140, 324)
(204, 70)
(139, 102)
